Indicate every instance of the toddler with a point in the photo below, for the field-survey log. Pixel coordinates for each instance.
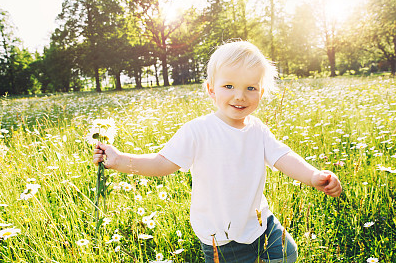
(227, 153)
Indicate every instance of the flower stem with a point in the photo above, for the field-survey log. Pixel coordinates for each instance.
(99, 177)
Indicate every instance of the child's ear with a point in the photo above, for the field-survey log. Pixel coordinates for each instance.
(210, 90)
(261, 92)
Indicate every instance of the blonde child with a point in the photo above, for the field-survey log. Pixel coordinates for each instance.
(227, 153)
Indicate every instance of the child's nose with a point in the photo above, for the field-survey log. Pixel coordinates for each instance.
(239, 95)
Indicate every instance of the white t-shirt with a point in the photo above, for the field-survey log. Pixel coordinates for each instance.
(228, 175)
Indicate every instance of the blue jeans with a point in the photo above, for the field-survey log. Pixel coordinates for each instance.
(271, 251)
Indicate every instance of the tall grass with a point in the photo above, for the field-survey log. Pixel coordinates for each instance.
(346, 125)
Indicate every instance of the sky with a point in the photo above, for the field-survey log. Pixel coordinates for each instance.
(35, 19)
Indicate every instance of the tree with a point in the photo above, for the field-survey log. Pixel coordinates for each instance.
(303, 41)
(15, 73)
(379, 29)
(159, 31)
(86, 24)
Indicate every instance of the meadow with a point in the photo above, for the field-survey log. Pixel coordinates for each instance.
(48, 180)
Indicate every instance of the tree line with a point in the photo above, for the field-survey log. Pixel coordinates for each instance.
(98, 39)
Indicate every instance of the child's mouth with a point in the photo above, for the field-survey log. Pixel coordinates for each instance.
(238, 107)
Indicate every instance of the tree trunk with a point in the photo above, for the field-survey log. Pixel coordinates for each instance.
(138, 78)
(331, 56)
(165, 69)
(156, 73)
(393, 62)
(97, 80)
(118, 80)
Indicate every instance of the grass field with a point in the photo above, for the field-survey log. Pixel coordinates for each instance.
(47, 179)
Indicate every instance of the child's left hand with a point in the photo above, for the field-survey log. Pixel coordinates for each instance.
(327, 182)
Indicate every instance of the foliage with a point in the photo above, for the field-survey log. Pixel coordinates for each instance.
(98, 40)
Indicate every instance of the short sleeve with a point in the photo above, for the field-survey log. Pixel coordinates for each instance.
(273, 149)
(180, 148)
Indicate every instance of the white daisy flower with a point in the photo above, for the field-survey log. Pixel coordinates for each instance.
(179, 251)
(368, 224)
(144, 236)
(116, 237)
(159, 256)
(9, 232)
(141, 211)
(151, 224)
(162, 195)
(372, 260)
(179, 233)
(82, 242)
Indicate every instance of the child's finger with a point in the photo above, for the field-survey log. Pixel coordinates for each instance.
(97, 151)
(333, 182)
(335, 192)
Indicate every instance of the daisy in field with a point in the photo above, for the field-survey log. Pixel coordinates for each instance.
(368, 224)
(82, 242)
(9, 232)
(30, 191)
(116, 238)
(372, 260)
(144, 236)
(162, 195)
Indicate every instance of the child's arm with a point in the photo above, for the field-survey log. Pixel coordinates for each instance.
(145, 164)
(297, 168)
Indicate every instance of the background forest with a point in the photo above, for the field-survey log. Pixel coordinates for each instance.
(123, 43)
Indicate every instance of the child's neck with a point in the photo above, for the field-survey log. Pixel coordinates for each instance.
(235, 123)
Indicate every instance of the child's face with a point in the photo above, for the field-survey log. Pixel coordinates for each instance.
(236, 92)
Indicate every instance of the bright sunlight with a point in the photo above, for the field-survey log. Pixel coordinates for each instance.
(340, 10)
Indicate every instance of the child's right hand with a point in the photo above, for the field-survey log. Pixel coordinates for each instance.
(101, 150)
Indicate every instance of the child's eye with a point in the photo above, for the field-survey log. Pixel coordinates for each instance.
(228, 86)
(251, 88)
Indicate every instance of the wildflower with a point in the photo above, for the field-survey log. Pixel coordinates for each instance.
(82, 242)
(162, 195)
(296, 183)
(127, 187)
(365, 183)
(143, 182)
(374, 260)
(377, 154)
(116, 238)
(106, 221)
(159, 256)
(179, 251)
(138, 198)
(322, 156)
(144, 236)
(52, 167)
(30, 191)
(29, 180)
(103, 130)
(339, 163)
(5, 225)
(9, 232)
(141, 211)
(145, 220)
(151, 224)
(117, 249)
(361, 145)
(368, 224)
(179, 233)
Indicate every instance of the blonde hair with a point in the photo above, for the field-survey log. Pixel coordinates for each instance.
(244, 54)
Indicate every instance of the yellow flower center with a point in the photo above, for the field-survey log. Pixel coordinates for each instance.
(6, 234)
